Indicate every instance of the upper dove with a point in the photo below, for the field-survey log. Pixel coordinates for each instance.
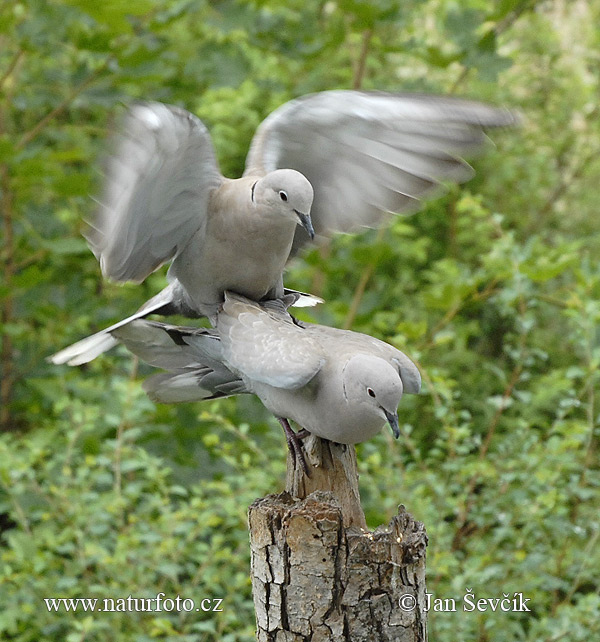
(337, 384)
(326, 162)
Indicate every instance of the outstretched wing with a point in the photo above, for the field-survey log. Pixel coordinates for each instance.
(264, 345)
(366, 153)
(158, 182)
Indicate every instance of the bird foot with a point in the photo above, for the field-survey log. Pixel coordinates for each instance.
(293, 442)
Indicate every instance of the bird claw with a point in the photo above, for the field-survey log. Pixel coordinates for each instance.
(293, 442)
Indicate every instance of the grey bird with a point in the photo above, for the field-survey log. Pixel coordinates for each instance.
(337, 384)
(327, 162)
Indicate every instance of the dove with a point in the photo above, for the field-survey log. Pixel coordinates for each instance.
(328, 162)
(337, 384)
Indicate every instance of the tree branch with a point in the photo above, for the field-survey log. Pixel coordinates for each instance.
(361, 64)
(34, 131)
(11, 67)
(359, 292)
(7, 311)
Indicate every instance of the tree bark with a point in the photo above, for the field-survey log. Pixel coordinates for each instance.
(318, 575)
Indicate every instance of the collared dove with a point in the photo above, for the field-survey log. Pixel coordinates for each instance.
(337, 384)
(360, 154)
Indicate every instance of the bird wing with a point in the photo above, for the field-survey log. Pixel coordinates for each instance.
(366, 153)
(264, 345)
(157, 186)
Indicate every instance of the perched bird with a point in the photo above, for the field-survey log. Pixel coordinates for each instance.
(337, 384)
(326, 162)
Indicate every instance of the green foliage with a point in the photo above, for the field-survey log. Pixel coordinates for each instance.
(104, 519)
(493, 289)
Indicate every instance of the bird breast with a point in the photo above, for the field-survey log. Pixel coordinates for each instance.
(246, 253)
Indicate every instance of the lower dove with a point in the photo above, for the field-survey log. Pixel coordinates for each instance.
(326, 162)
(337, 384)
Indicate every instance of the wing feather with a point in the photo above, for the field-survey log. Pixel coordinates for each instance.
(157, 186)
(266, 346)
(370, 152)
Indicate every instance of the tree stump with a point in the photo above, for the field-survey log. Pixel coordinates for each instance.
(318, 575)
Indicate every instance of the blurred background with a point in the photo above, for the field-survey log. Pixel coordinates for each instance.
(493, 289)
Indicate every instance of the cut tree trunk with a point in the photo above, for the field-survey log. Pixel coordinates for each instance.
(318, 575)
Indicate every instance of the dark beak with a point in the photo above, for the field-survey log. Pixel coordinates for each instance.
(306, 223)
(392, 418)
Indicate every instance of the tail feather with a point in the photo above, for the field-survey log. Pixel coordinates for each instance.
(302, 299)
(187, 385)
(169, 346)
(85, 350)
(96, 344)
(192, 357)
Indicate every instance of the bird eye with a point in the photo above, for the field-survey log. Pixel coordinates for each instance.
(371, 392)
(283, 195)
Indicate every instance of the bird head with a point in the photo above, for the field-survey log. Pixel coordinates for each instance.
(375, 384)
(286, 192)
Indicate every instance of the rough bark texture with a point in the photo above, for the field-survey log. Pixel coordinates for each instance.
(332, 467)
(318, 575)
